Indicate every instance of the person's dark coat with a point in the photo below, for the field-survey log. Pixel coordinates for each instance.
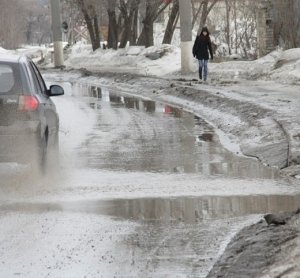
(202, 46)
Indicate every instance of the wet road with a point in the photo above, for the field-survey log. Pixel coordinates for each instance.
(144, 190)
(142, 135)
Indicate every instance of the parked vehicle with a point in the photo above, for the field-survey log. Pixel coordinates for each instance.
(29, 123)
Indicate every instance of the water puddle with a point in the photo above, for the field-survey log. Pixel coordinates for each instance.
(134, 134)
(183, 209)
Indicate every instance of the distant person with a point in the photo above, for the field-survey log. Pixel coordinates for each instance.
(201, 48)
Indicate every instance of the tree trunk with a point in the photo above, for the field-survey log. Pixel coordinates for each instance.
(227, 29)
(196, 12)
(204, 15)
(113, 26)
(126, 33)
(153, 9)
(291, 22)
(129, 19)
(96, 44)
(134, 31)
(146, 36)
(235, 26)
(90, 22)
(172, 22)
(206, 6)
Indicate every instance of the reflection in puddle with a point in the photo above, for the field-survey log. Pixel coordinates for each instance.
(133, 134)
(183, 209)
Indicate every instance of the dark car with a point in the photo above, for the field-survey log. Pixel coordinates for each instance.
(29, 124)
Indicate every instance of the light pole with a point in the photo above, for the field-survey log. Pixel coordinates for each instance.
(57, 33)
(185, 11)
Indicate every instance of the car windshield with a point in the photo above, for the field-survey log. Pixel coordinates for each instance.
(7, 79)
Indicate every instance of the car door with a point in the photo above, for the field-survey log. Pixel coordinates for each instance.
(51, 117)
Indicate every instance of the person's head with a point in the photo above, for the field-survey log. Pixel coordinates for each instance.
(204, 31)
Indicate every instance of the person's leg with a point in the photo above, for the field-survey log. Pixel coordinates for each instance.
(205, 69)
(200, 68)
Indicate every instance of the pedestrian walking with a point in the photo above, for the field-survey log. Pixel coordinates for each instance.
(201, 48)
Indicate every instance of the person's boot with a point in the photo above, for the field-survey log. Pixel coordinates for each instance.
(200, 73)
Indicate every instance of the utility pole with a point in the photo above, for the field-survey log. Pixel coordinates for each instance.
(57, 33)
(185, 11)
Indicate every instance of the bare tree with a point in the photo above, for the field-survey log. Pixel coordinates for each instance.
(202, 8)
(172, 22)
(153, 9)
(113, 37)
(88, 10)
(235, 25)
(287, 23)
(227, 28)
(129, 12)
(246, 26)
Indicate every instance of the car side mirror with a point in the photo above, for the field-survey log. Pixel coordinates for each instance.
(55, 90)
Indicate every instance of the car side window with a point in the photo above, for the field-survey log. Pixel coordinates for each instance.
(35, 80)
(39, 79)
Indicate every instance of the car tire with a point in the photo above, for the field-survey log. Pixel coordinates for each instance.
(53, 154)
(43, 154)
(39, 163)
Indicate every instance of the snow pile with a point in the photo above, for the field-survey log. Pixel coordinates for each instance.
(287, 67)
(150, 61)
(3, 51)
(279, 65)
(36, 53)
(246, 69)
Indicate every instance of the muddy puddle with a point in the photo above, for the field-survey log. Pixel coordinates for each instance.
(134, 134)
(183, 209)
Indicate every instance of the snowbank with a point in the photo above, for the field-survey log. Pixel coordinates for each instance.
(147, 61)
(36, 53)
(287, 67)
(3, 51)
(281, 66)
